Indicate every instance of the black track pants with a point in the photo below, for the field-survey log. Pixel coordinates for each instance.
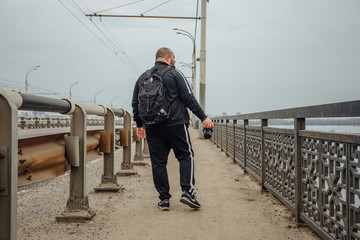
(161, 141)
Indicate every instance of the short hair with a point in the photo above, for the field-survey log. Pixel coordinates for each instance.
(163, 52)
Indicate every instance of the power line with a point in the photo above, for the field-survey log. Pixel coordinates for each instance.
(85, 6)
(124, 5)
(127, 60)
(133, 68)
(102, 41)
(155, 7)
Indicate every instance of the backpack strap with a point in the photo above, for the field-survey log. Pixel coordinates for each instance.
(160, 73)
(148, 73)
(163, 71)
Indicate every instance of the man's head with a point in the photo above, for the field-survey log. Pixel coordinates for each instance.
(165, 55)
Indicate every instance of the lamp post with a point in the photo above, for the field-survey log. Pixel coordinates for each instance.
(73, 84)
(96, 95)
(189, 35)
(27, 74)
(112, 101)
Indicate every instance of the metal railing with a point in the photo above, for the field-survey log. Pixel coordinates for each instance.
(77, 206)
(55, 122)
(315, 174)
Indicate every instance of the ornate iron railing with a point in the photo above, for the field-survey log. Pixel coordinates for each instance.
(315, 174)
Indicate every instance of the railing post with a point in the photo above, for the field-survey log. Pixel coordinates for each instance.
(138, 157)
(299, 124)
(127, 167)
(221, 134)
(226, 136)
(245, 123)
(234, 140)
(8, 167)
(146, 152)
(264, 123)
(108, 179)
(77, 207)
(217, 132)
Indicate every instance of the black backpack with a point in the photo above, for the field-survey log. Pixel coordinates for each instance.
(153, 107)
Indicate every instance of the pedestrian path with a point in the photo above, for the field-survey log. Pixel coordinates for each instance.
(230, 209)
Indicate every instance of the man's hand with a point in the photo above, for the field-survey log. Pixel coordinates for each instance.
(208, 123)
(141, 132)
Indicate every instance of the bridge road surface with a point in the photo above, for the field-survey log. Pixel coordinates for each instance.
(230, 209)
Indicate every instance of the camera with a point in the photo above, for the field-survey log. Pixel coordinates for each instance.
(207, 133)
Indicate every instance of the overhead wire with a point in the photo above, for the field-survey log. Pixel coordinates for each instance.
(155, 7)
(124, 5)
(110, 41)
(120, 48)
(117, 48)
(101, 40)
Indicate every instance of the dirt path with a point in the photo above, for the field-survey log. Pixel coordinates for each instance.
(230, 209)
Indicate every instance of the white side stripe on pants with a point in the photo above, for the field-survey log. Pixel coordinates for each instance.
(192, 159)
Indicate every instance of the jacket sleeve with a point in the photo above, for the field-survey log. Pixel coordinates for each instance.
(135, 103)
(187, 96)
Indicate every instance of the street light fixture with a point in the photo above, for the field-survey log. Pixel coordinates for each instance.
(27, 74)
(187, 34)
(186, 65)
(95, 96)
(182, 64)
(73, 84)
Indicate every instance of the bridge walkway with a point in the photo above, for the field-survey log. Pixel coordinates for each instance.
(230, 209)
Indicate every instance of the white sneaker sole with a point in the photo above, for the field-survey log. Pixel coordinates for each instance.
(164, 208)
(189, 203)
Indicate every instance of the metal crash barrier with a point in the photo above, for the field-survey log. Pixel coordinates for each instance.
(315, 174)
(77, 206)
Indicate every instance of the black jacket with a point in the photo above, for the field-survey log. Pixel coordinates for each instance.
(178, 94)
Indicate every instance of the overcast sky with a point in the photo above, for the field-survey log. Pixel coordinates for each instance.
(261, 54)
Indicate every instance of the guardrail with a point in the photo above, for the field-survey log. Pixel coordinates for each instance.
(77, 206)
(315, 174)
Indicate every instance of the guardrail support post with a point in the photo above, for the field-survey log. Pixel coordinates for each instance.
(264, 123)
(8, 167)
(77, 207)
(221, 135)
(108, 179)
(299, 124)
(246, 123)
(216, 132)
(234, 140)
(138, 157)
(226, 137)
(146, 152)
(127, 167)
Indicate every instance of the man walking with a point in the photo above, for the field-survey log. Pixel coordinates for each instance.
(173, 132)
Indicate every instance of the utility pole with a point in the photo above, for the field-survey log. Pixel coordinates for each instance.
(202, 88)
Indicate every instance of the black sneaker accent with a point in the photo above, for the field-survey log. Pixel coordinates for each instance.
(164, 205)
(190, 200)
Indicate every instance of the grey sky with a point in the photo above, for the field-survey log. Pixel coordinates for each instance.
(261, 54)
